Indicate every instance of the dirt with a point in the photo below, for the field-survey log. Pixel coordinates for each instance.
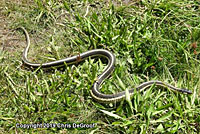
(9, 42)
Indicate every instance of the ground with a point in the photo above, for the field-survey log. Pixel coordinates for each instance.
(152, 40)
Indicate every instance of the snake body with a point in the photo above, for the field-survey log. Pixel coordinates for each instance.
(95, 92)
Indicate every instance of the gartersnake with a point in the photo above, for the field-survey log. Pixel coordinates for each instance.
(95, 92)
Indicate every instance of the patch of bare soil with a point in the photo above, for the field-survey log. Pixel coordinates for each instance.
(8, 40)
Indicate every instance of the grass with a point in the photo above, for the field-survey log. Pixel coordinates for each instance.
(150, 39)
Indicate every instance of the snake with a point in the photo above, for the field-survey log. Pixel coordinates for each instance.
(95, 90)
